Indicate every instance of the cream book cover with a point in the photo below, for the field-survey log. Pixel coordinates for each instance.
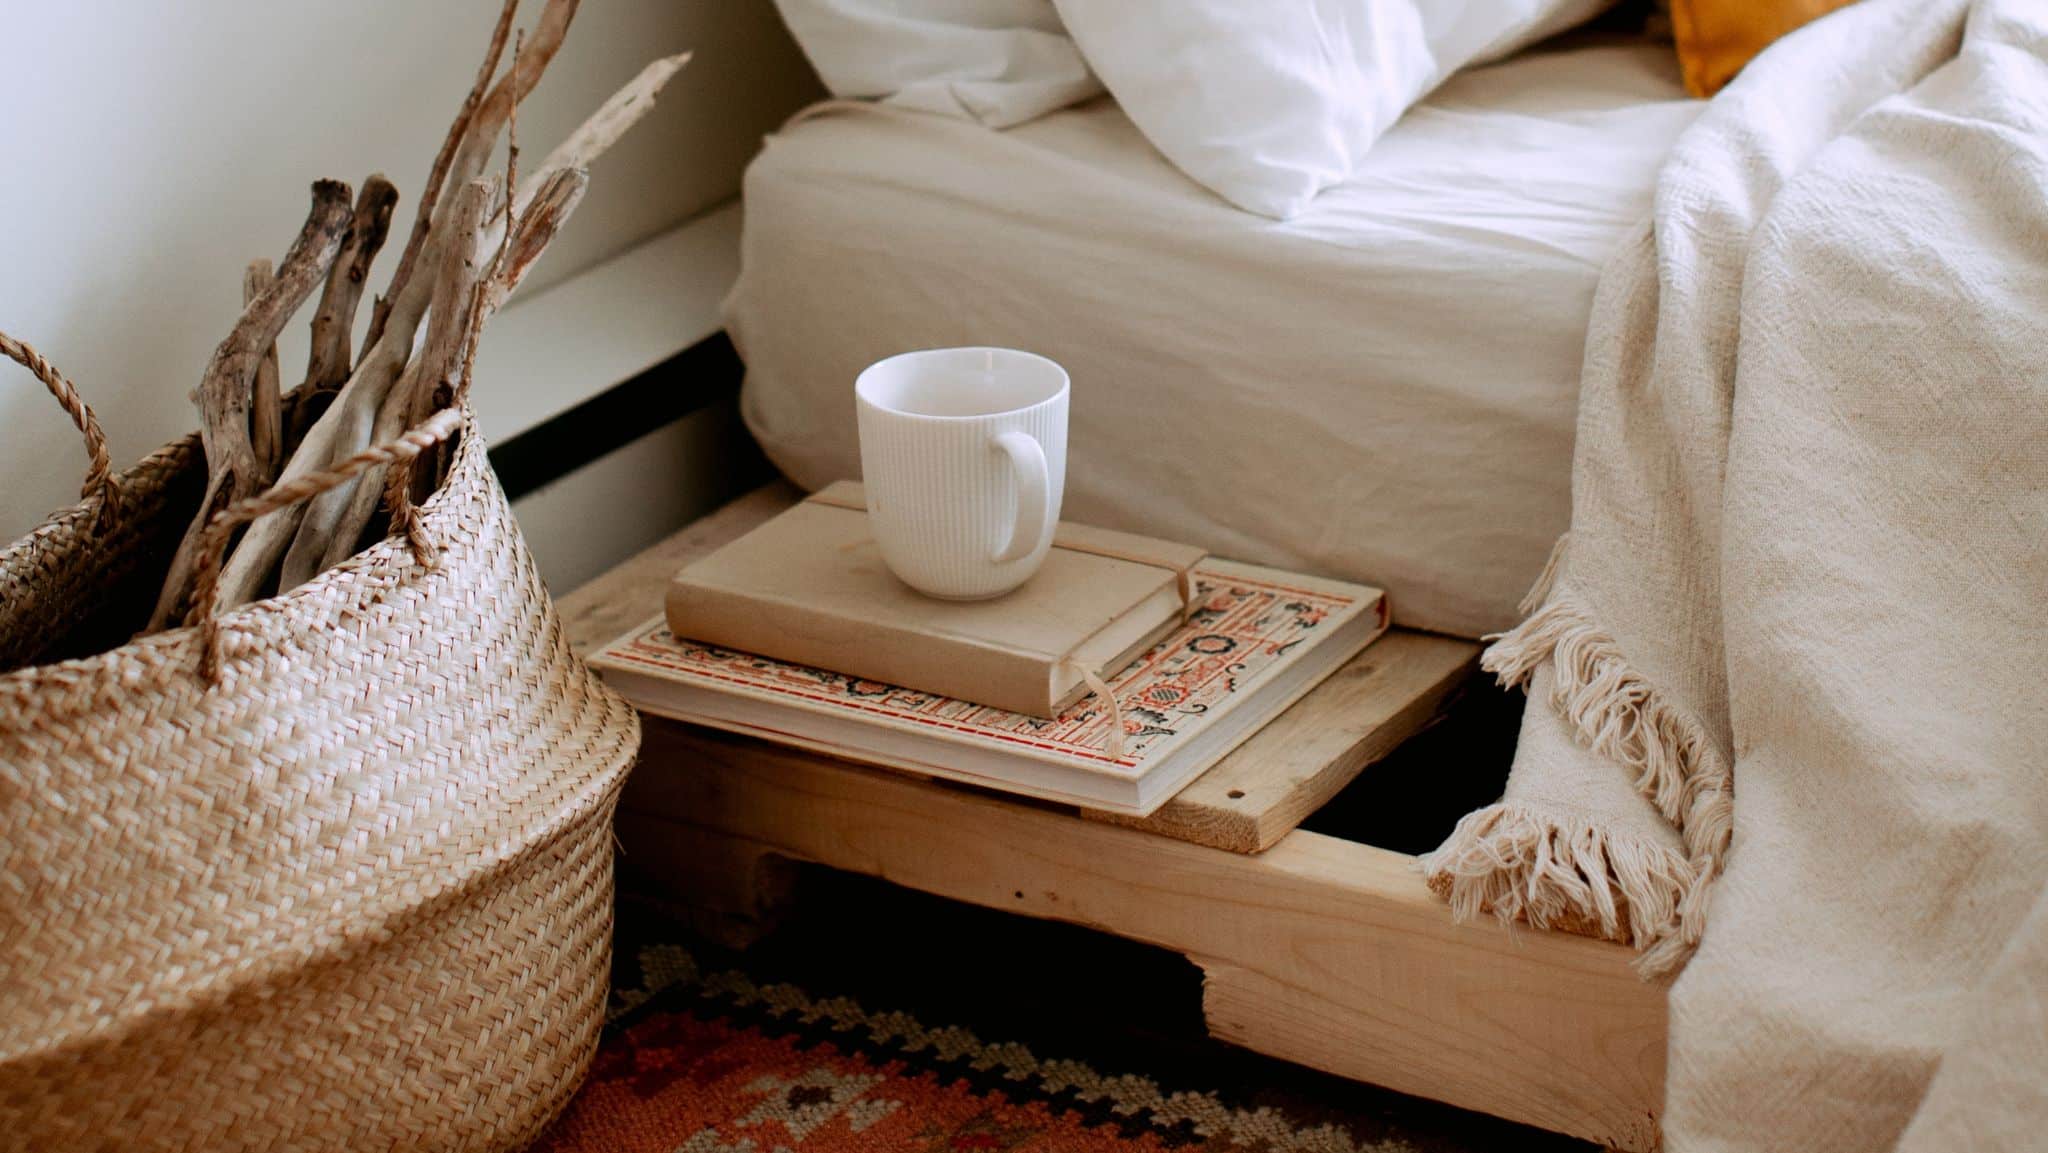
(810, 587)
(1257, 640)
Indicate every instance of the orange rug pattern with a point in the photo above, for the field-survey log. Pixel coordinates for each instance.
(718, 1063)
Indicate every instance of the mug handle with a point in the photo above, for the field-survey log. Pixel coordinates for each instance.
(1034, 494)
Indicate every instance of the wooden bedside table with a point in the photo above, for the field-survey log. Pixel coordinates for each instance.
(1314, 949)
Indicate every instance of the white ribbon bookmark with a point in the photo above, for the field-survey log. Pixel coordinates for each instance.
(1100, 688)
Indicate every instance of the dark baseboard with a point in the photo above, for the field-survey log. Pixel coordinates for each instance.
(705, 374)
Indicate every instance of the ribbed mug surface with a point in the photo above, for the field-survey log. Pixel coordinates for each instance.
(943, 495)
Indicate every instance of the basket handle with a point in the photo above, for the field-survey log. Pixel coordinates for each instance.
(213, 544)
(99, 474)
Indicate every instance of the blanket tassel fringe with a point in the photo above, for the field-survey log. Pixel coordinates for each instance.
(1521, 863)
(1555, 873)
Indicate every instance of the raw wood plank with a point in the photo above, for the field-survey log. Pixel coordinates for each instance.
(1290, 768)
(1555, 1081)
(1321, 950)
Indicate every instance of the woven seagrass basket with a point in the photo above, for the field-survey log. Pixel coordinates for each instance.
(355, 895)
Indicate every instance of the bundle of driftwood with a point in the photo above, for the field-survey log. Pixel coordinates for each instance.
(474, 238)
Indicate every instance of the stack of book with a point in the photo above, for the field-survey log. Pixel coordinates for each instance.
(797, 633)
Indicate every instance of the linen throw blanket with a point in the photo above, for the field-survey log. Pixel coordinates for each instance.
(1789, 673)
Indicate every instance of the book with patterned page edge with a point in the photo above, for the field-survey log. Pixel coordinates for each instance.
(1257, 641)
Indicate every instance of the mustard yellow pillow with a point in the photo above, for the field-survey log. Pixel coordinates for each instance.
(1717, 37)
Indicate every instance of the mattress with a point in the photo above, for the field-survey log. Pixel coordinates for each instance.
(1381, 389)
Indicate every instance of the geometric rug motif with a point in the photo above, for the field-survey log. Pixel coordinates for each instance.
(696, 1062)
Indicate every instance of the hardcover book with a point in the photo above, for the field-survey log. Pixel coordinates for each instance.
(810, 587)
(1256, 641)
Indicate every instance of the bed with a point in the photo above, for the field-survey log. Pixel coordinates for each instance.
(1382, 388)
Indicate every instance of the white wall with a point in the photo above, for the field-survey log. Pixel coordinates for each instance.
(153, 149)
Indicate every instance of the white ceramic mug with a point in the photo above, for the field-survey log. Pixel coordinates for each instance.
(963, 453)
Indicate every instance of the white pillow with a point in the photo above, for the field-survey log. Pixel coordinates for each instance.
(1268, 102)
(1000, 62)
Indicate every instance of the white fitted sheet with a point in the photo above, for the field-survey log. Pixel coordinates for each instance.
(1381, 389)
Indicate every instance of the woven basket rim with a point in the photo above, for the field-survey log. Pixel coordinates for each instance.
(164, 647)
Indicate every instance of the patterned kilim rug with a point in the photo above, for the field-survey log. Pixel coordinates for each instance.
(881, 1020)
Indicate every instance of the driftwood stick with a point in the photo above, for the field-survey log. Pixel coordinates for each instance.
(542, 205)
(346, 425)
(591, 140)
(553, 203)
(411, 483)
(563, 176)
(480, 136)
(340, 431)
(318, 520)
(335, 520)
(477, 131)
(205, 596)
(604, 127)
(266, 417)
(501, 106)
(333, 523)
(226, 391)
(437, 175)
(512, 140)
(521, 247)
(536, 50)
(334, 320)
